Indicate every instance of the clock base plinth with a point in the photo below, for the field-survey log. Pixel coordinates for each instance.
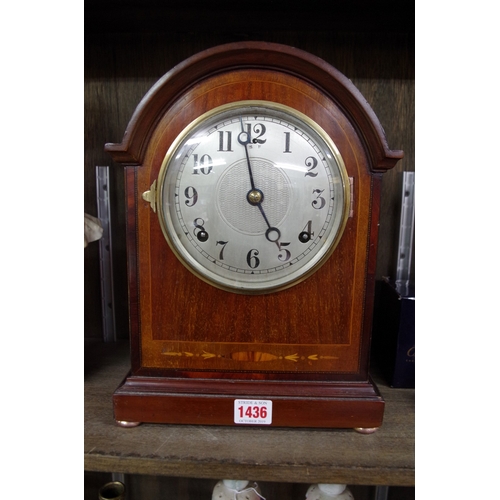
(323, 404)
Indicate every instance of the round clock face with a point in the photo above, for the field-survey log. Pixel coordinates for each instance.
(253, 197)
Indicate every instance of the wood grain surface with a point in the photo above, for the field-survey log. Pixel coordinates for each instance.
(121, 65)
(189, 330)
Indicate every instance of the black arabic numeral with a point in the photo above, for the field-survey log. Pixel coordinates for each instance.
(284, 254)
(311, 164)
(204, 165)
(319, 202)
(191, 196)
(261, 130)
(306, 234)
(245, 137)
(252, 260)
(224, 147)
(287, 142)
(199, 230)
(221, 253)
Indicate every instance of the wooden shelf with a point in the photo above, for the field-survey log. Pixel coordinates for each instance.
(264, 454)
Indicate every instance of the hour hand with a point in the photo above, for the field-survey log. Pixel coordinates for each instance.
(256, 197)
(244, 137)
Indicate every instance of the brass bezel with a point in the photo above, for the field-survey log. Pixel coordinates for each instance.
(273, 106)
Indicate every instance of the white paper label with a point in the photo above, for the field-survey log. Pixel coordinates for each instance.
(253, 411)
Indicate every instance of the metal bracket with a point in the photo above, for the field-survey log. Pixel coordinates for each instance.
(106, 254)
(406, 229)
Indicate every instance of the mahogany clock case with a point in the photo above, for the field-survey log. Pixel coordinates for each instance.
(194, 347)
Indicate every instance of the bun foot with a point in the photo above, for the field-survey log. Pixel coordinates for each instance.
(366, 430)
(124, 423)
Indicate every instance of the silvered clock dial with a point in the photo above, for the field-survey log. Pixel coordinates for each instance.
(253, 197)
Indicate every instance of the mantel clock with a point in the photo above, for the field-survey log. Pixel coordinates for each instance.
(252, 174)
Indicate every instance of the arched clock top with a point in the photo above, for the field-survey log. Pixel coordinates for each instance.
(252, 215)
(254, 55)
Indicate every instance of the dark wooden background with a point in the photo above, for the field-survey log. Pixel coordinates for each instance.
(130, 44)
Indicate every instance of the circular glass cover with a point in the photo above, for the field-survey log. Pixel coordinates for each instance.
(253, 197)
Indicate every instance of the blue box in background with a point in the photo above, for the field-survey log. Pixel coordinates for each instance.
(393, 336)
